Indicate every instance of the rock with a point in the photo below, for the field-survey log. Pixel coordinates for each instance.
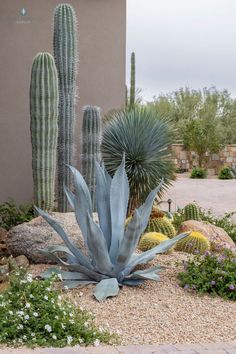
(27, 238)
(217, 236)
(3, 248)
(4, 272)
(18, 262)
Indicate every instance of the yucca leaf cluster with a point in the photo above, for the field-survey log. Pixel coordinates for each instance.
(111, 259)
(145, 139)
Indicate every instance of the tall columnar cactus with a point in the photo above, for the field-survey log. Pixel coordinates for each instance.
(65, 54)
(132, 81)
(91, 136)
(44, 128)
(191, 212)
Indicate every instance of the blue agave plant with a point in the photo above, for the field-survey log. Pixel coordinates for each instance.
(111, 258)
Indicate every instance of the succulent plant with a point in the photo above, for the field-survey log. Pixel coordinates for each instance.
(132, 81)
(162, 225)
(150, 240)
(65, 55)
(44, 128)
(145, 139)
(91, 140)
(191, 212)
(195, 242)
(111, 260)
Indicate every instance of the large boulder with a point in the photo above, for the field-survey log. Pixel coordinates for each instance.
(27, 238)
(218, 237)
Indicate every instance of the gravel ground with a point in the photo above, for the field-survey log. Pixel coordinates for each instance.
(161, 312)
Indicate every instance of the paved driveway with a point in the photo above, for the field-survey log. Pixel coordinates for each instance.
(215, 194)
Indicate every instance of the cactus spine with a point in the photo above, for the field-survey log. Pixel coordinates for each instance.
(162, 225)
(194, 242)
(91, 140)
(150, 240)
(132, 81)
(191, 212)
(44, 128)
(65, 54)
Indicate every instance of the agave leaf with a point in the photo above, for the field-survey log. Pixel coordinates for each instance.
(63, 249)
(98, 247)
(106, 288)
(70, 197)
(119, 202)
(146, 208)
(103, 203)
(150, 273)
(148, 255)
(73, 284)
(130, 240)
(132, 282)
(64, 275)
(82, 202)
(75, 251)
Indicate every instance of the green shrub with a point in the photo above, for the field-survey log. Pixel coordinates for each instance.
(12, 215)
(225, 173)
(211, 274)
(33, 314)
(198, 172)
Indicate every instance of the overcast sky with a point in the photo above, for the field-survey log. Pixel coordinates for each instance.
(182, 43)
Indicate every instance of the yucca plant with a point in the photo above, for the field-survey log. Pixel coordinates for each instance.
(145, 139)
(111, 260)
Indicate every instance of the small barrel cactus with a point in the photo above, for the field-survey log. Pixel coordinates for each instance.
(91, 140)
(191, 212)
(150, 240)
(44, 130)
(195, 242)
(162, 225)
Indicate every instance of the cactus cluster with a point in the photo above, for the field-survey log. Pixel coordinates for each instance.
(162, 225)
(191, 212)
(91, 140)
(44, 128)
(65, 54)
(150, 240)
(195, 242)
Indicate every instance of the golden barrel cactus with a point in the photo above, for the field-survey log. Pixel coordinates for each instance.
(195, 242)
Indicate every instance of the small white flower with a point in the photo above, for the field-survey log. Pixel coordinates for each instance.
(10, 312)
(81, 340)
(63, 326)
(54, 336)
(35, 314)
(86, 324)
(32, 334)
(48, 328)
(26, 317)
(71, 314)
(27, 305)
(20, 326)
(48, 289)
(52, 301)
(56, 317)
(29, 278)
(96, 342)
(24, 337)
(69, 339)
(20, 313)
(45, 297)
(59, 297)
(64, 313)
(31, 296)
(72, 321)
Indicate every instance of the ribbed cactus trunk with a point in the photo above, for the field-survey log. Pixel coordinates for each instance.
(44, 128)
(65, 54)
(132, 81)
(91, 141)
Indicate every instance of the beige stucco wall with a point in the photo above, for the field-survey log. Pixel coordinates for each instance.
(101, 75)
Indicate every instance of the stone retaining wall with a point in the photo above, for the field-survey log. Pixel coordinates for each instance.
(185, 160)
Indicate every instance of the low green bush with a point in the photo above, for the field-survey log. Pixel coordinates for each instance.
(225, 173)
(198, 172)
(12, 215)
(212, 274)
(32, 313)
